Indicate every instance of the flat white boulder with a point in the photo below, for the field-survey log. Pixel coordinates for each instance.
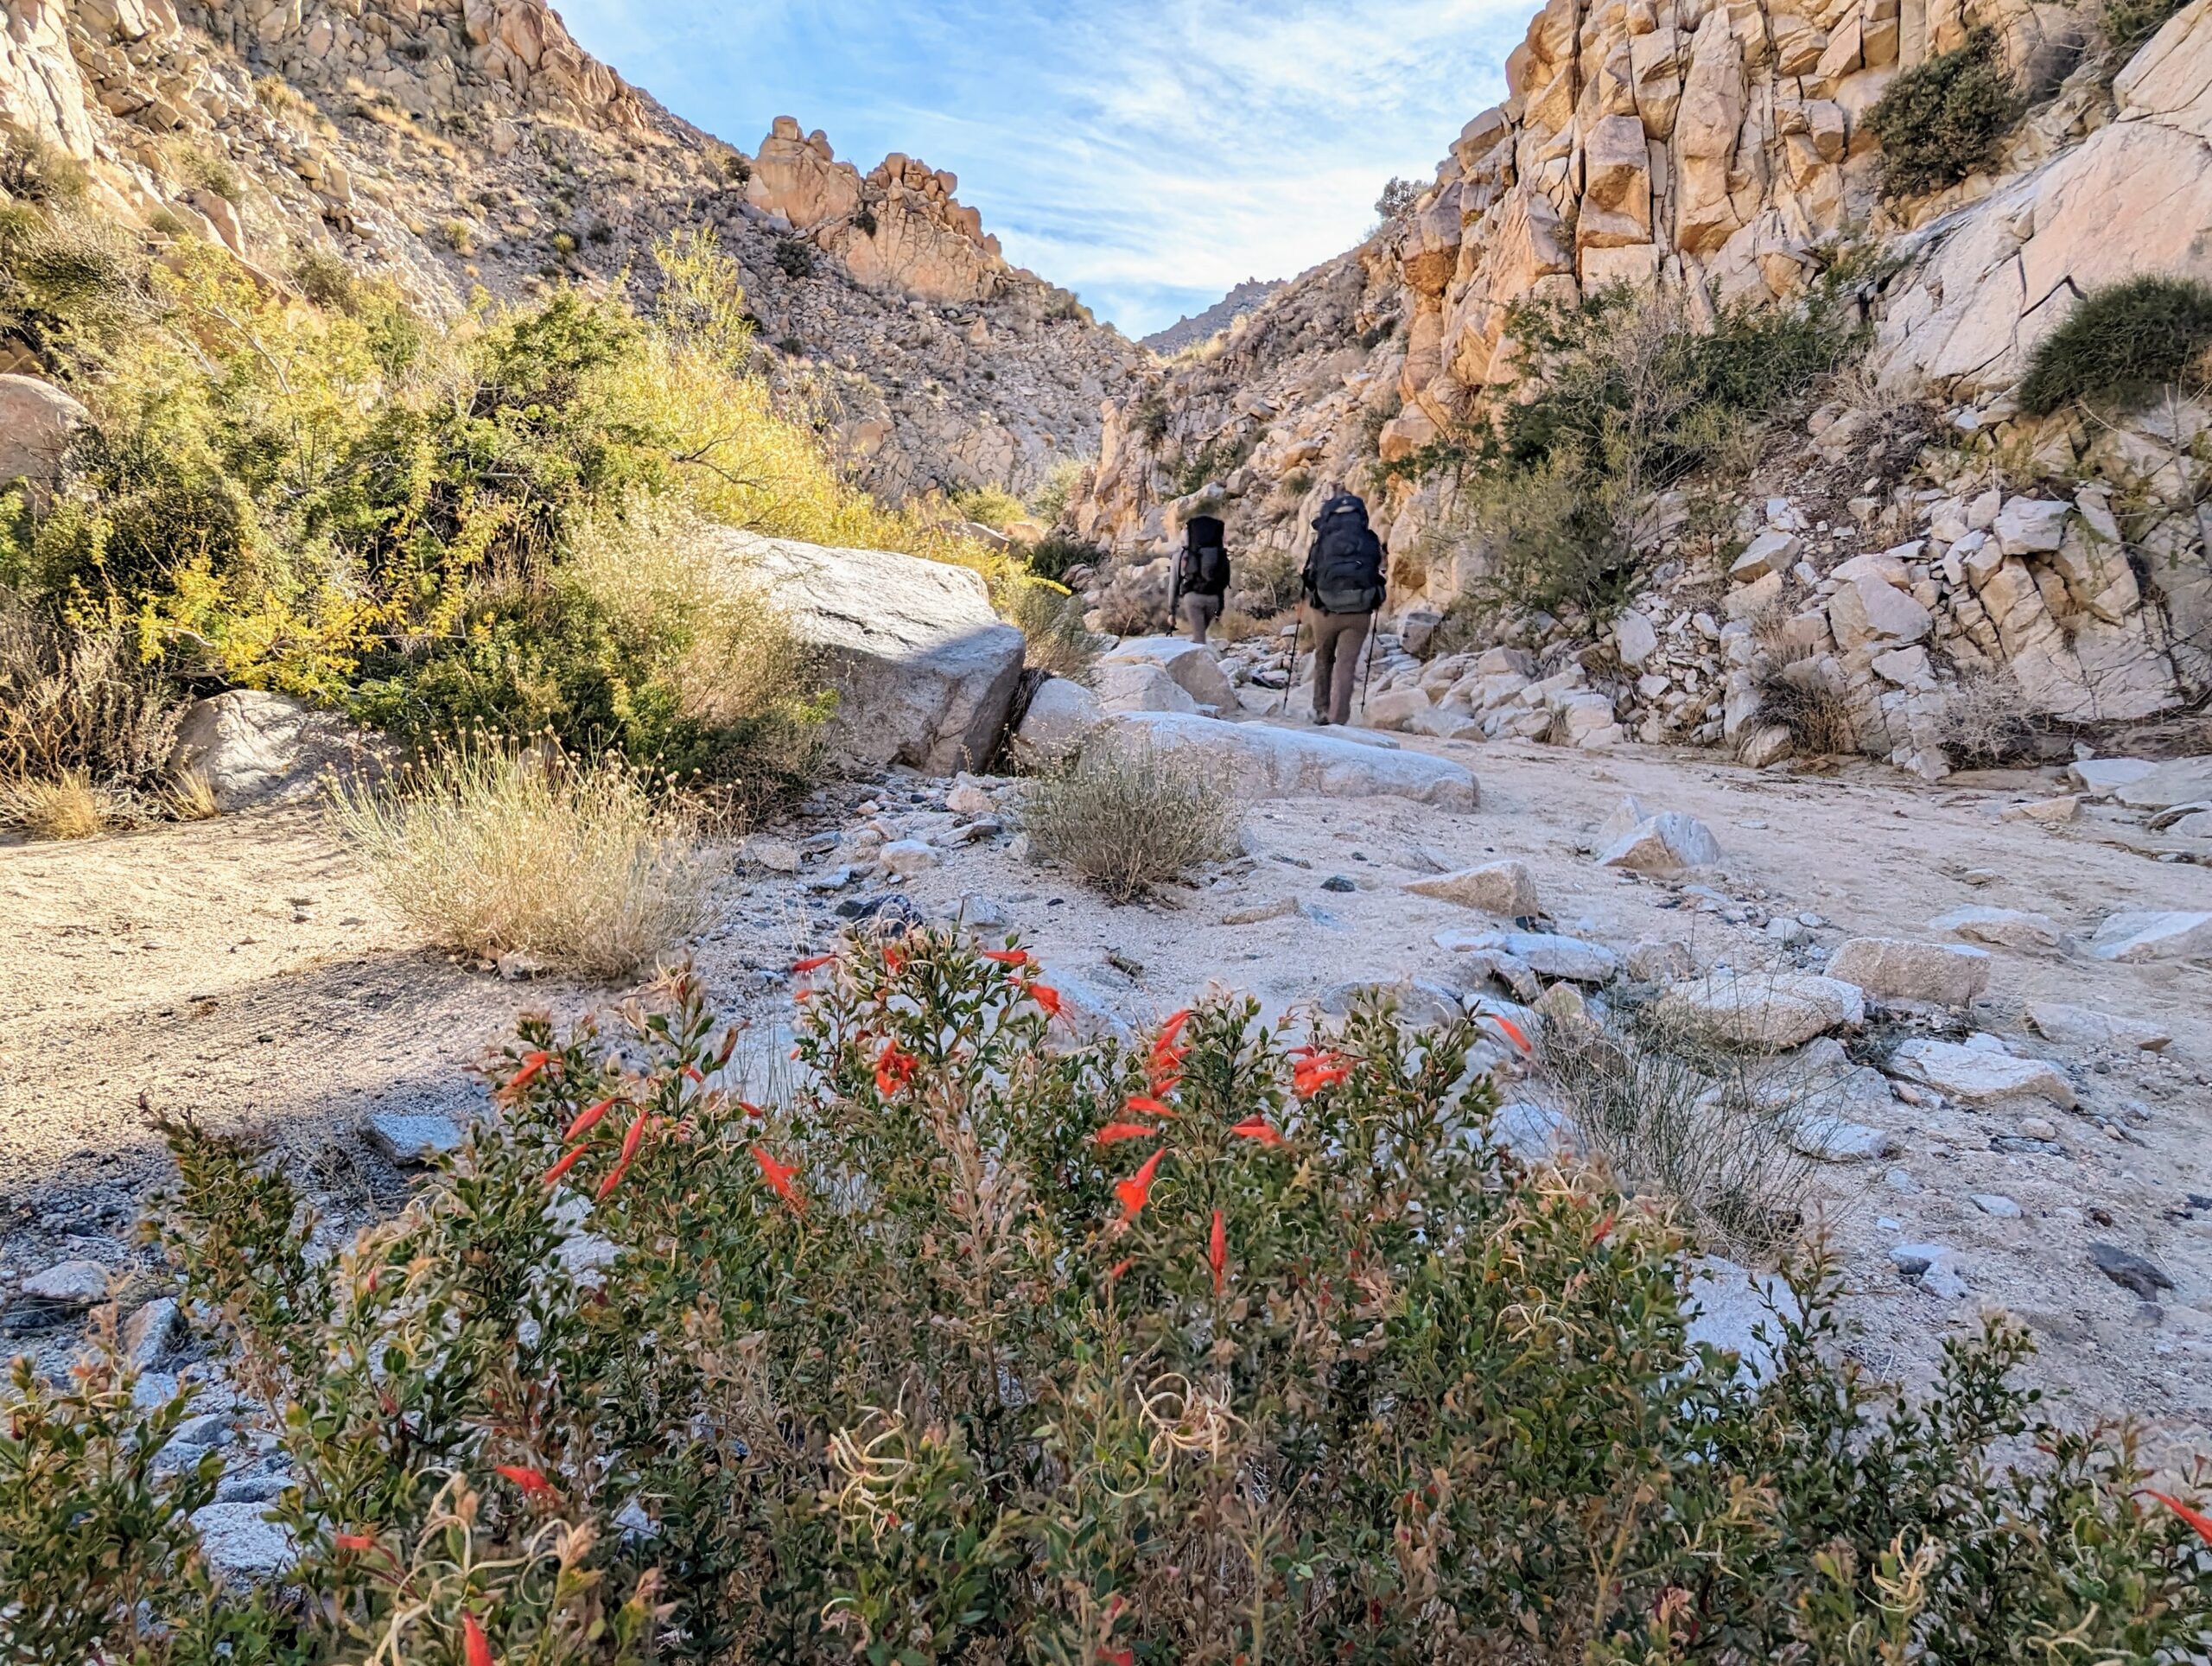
(2083, 1027)
(37, 421)
(238, 1540)
(2100, 777)
(1192, 665)
(1977, 1075)
(1771, 1010)
(1832, 1138)
(71, 1283)
(1506, 888)
(2009, 928)
(254, 748)
(1264, 761)
(2183, 781)
(1060, 713)
(2176, 936)
(1898, 969)
(924, 669)
(1549, 954)
(1737, 1311)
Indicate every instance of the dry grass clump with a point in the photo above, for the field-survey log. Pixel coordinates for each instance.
(1819, 719)
(1985, 723)
(574, 866)
(188, 796)
(1706, 1127)
(70, 805)
(77, 698)
(1130, 817)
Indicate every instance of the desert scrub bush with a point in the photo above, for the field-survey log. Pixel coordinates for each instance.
(1050, 620)
(794, 258)
(973, 1347)
(1945, 117)
(990, 506)
(488, 851)
(75, 698)
(1049, 501)
(1986, 721)
(1703, 1129)
(1053, 555)
(2122, 345)
(1216, 460)
(1818, 718)
(1265, 582)
(1130, 817)
(33, 169)
(2126, 24)
(1149, 418)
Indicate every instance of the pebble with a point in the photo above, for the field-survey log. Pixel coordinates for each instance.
(906, 857)
(2129, 1270)
(73, 1283)
(1996, 1204)
(1339, 883)
(1279, 908)
(412, 1137)
(2037, 1127)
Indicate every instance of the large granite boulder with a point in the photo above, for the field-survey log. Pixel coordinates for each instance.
(256, 749)
(924, 670)
(37, 421)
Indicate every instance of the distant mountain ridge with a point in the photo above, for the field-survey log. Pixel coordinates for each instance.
(1187, 332)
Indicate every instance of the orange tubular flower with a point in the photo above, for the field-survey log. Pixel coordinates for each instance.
(1136, 1190)
(1321, 1071)
(1007, 957)
(1116, 1132)
(475, 1646)
(1147, 1106)
(1257, 1128)
(590, 1119)
(1513, 1032)
(894, 955)
(1120, 1267)
(554, 1174)
(894, 1069)
(811, 964)
(778, 1176)
(1170, 1031)
(531, 1481)
(750, 1108)
(2196, 1518)
(355, 1542)
(1047, 997)
(533, 1064)
(1217, 1254)
(613, 1178)
(1605, 1231)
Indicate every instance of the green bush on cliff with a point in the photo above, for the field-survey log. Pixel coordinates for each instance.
(2123, 344)
(1945, 117)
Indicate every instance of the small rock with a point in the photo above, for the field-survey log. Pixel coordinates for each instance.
(968, 800)
(2129, 1270)
(210, 1428)
(1996, 1204)
(777, 856)
(1535, 1134)
(2009, 928)
(983, 913)
(152, 1334)
(237, 1540)
(2100, 778)
(2037, 1127)
(1546, 953)
(1736, 1311)
(1339, 883)
(2063, 808)
(1914, 1259)
(1665, 844)
(1280, 909)
(1504, 888)
(1899, 969)
(71, 1283)
(2144, 937)
(2079, 1027)
(407, 1138)
(1763, 1009)
(1977, 1077)
(1836, 1139)
(906, 857)
(1419, 1002)
(1660, 960)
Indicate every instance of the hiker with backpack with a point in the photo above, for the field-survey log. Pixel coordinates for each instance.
(1201, 576)
(1343, 589)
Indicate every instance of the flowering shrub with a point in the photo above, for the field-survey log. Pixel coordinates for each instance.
(1198, 1347)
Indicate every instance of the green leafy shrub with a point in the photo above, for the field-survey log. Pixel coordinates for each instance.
(976, 1348)
(1050, 618)
(990, 506)
(1052, 555)
(33, 170)
(2123, 344)
(1216, 460)
(794, 258)
(2127, 24)
(1945, 117)
(1149, 419)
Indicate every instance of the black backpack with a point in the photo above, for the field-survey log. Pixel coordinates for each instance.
(1346, 568)
(1205, 558)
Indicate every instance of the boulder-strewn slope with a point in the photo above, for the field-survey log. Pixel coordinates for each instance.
(1188, 331)
(1721, 153)
(452, 145)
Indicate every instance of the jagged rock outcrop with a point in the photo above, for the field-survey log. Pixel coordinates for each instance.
(454, 144)
(1721, 155)
(1190, 330)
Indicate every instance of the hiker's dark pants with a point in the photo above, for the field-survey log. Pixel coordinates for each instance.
(1338, 639)
(1199, 612)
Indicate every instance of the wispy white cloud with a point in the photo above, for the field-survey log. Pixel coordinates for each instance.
(1148, 156)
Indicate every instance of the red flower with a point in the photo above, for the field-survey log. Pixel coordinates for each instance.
(1114, 1132)
(532, 1064)
(631, 1141)
(1120, 1267)
(2195, 1518)
(1047, 997)
(778, 1176)
(1217, 1254)
(749, 1107)
(590, 1119)
(1118, 1656)
(1257, 1128)
(566, 1163)
(356, 1542)
(1137, 1189)
(1605, 1231)
(692, 1071)
(1007, 957)
(1513, 1032)
(894, 1069)
(1164, 1043)
(1316, 1072)
(474, 1644)
(894, 955)
(811, 964)
(531, 1481)
(1145, 1106)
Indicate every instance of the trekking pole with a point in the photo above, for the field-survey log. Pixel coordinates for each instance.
(1283, 710)
(1366, 669)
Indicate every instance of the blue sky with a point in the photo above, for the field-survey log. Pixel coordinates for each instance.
(1148, 156)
